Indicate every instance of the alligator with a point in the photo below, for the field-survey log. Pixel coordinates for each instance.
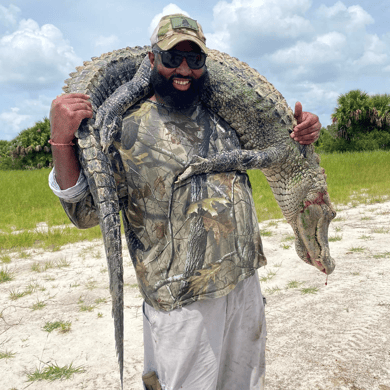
(249, 104)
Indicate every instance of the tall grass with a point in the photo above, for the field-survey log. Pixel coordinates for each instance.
(26, 198)
(358, 177)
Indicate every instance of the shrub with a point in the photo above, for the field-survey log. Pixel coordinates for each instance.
(29, 150)
(360, 122)
(329, 142)
(358, 113)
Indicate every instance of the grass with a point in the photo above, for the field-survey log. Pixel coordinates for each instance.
(348, 174)
(5, 259)
(26, 199)
(272, 290)
(357, 249)
(32, 287)
(45, 265)
(269, 276)
(293, 284)
(52, 372)
(86, 307)
(380, 230)
(309, 290)
(16, 294)
(100, 300)
(286, 246)
(39, 305)
(52, 239)
(334, 238)
(63, 327)
(28, 190)
(62, 263)
(7, 355)
(83, 307)
(5, 275)
(383, 255)
(91, 284)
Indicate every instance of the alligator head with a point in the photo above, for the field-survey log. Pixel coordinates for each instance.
(311, 231)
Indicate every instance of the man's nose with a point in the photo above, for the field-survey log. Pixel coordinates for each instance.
(184, 69)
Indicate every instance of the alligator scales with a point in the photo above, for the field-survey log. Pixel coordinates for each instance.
(249, 104)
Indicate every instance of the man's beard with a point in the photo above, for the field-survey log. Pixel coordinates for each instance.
(171, 96)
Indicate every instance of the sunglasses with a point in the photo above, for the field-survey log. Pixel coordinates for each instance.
(173, 58)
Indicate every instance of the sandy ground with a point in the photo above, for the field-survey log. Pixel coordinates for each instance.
(334, 336)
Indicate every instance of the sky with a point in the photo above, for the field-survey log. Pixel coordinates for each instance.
(311, 51)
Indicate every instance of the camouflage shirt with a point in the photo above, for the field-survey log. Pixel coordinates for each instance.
(191, 240)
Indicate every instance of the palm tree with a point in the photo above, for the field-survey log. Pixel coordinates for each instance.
(357, 113)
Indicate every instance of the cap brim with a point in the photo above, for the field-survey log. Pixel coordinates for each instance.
(168, 43)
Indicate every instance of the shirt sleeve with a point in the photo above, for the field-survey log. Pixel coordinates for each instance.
(73, 194)
(77, 201)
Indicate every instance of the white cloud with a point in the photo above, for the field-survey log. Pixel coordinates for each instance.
(9, 16)
(34, 56)
(167, 10)
(23, 116)
(259, 25)
(106, 42)
(325, 48)
(12, 122)
(314, 97)
(339, 17)
(218, 41)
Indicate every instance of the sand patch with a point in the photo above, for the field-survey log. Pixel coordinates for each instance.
(333, 336)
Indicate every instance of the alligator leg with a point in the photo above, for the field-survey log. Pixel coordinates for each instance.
(237, 160)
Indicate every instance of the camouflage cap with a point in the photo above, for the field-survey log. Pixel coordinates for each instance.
(176, 28)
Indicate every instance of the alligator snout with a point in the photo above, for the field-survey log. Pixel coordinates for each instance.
(312, 239)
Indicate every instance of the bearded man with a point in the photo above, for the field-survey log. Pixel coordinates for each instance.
(195, 245)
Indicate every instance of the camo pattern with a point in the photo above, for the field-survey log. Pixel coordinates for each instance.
(175, 28)
(188, 241)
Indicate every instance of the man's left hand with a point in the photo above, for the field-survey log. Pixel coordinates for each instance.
(308, 126)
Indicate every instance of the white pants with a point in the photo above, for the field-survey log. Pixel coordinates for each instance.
(216, 344)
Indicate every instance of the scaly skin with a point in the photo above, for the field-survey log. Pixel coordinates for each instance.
(250, 105)
(100, 78)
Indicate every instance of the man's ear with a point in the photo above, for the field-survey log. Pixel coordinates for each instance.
(151, 59)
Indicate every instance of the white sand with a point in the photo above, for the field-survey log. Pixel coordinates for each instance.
(335, 338)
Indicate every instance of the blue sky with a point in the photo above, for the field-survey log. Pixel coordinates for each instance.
(311, 51)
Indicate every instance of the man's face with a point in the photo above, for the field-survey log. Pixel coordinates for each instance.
(177, 87)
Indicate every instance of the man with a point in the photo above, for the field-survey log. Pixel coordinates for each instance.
(195, 245)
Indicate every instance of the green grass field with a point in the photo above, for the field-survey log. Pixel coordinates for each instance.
(26, 198)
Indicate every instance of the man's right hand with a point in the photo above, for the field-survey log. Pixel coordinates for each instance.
(66, 113)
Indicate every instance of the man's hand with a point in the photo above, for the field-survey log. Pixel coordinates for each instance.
(308, 126)
(66, 113)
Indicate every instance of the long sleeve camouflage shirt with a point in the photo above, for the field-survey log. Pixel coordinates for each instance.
(191, 240)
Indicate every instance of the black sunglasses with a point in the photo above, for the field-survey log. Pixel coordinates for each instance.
(173, 58)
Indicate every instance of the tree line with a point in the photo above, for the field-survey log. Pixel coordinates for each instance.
(360, 122)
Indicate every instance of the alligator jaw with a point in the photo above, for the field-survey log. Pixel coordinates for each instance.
(312, 242)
